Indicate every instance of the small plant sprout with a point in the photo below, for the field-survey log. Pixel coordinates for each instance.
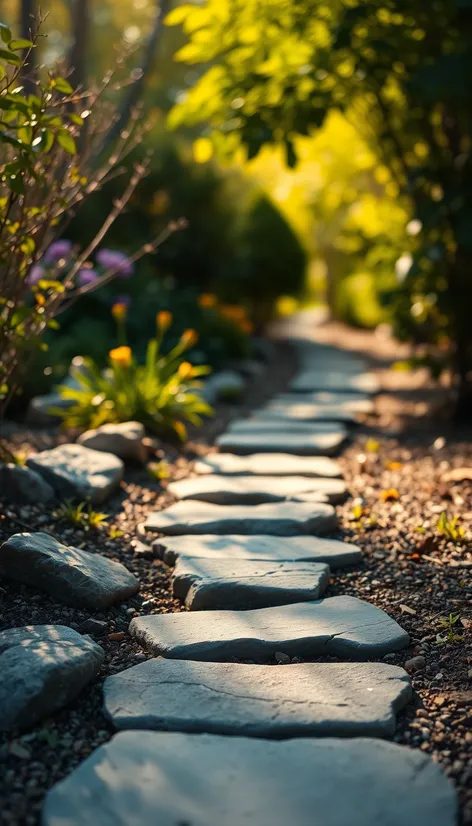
(81, 515)
(158, 470)
(451, 529)
(115, 533)
(449, 625)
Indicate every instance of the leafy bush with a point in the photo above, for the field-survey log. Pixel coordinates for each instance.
(159, 393)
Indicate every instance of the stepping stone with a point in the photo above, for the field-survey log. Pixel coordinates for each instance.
(73, 576)
(339, 626)
(283, 519)
(308, 412)
(42, 667)
(123, 439)
(141, 778)
(319, 379)
(244, 583)
(264, 548)
(255, 490)
(268, 464)
(263, 424)
(304, 700)
(76, 472)
(284, 441)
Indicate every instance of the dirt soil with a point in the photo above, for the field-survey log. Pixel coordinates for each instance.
(396, 468)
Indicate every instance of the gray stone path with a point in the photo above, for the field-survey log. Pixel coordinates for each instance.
(242, 583)
(305, 700)
(251, 575)
(264, 548)
(167, 779)
(256, 490)
(268, 464)
(339, 626)
(282, 519)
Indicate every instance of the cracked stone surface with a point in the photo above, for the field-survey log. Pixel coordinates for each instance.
(299, 442)
(334, 379)
(73, 576)
(268, 464)
(244, 583)
(77, 472)
(282, 519)
(339, 626)
(172, 779)
(264, 548)
(42, 668)
(303, 700)
(255, 490)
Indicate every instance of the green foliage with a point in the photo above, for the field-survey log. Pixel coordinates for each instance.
(81, 515)
(451, 529)
(158, 470)
(161, 393)
(449, 625)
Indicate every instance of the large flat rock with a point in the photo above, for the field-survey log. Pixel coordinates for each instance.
(268, 464)
(339, 626)
(77, 472)
(282, 519)
(334, 379)
(141, 778)
(73, 576)
(256, 490)
(246, 583)
(264, 548)
(259, 423)
(304, 700)
(296, 411)
(42, 667)
(300, 442)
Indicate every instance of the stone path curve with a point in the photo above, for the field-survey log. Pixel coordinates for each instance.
(251, 568)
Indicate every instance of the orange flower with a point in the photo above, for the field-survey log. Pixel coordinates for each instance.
(390, 495)
(185, 370)
(164, 320)
(119, 311)
(121, 356)
(207, 300)
(233, 312)
(189, 338)
(246, 326)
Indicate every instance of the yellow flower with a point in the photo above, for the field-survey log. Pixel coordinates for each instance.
(164, 320)
(185, 370)
(207, 300)
(121, 356)
(189, 338)
(119, 311)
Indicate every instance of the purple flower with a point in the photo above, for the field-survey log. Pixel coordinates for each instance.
(87, 276)
(115, 260)
(56, 251)
(35, 274)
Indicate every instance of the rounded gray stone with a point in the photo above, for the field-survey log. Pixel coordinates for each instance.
(123, 439)
(256, 490)
(42, 668)
(304, 700)
(339, 626)
(265, 548)
(73, 576)
(300, 443)
(141, 778)
(282, 519)
(268, 464)
(244, 583)
(24, 486)
(77, 472)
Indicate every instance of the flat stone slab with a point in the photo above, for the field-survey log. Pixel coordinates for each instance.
(264, 548)
(298, 442)
(268, 464)
(337, 380)
(303, 700)
(141, 778)
(293, 411)
(282, 519)
(259, 423)
(71, 575)
(42, 668)
(77, 472)
(244, 583)
(339, 626)
(256, 490)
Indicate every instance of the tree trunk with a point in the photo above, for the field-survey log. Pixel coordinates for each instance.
(27, 29)
(134, 92)
(80, 26)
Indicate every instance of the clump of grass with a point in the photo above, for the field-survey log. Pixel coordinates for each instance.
(451, 529)
(449, 624)
(81, 515)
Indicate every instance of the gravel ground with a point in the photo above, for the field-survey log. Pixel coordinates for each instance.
(396, 472)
